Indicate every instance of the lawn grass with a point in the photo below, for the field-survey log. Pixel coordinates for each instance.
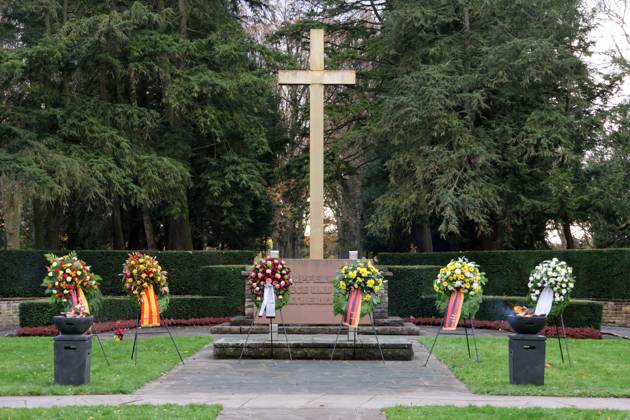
(472, 412)
(601, 368)
(167, 411)
(27, 365)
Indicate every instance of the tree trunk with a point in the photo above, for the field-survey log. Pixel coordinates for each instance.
(179, 234)
(12, 200)
(422, 236)
(118, 239)
(566, 231)
(183, 17)
(148, 228)
(47, 25)
(46, 224)
(65, 11)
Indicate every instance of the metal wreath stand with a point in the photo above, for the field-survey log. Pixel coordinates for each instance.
(472, 334)
(284, 327)
(93, 333)
(562, 338)
(355, 332)
(138, 332)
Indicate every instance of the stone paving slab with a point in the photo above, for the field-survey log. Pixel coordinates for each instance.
(202, 373)
(302, 414)
(290, 401)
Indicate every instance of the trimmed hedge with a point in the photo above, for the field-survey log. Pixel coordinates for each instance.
(405, 287)
(579, 313)
(226, 281)
(22, 271)
(600, 273)
(39, 313)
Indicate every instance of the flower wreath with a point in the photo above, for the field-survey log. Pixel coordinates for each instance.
(71, 282)
(558, 276)
(274, 270)
(362, 275)
(142, 272)
(464, 275)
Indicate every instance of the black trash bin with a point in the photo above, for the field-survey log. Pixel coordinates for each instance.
(527, 359)
(73, 355)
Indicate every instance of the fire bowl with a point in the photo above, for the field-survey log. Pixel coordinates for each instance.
(73, 326)
(527, 325)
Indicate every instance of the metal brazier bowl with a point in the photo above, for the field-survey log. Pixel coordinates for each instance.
(73, 326)
(527, 325)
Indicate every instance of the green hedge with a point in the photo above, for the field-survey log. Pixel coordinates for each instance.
(22, 271)
(600, 273)
(579, 313)
(38, 313)
(226, 281)
(406, 285)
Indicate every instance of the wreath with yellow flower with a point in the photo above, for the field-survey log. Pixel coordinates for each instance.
(464, 275)
(362, 275)
(141, 271)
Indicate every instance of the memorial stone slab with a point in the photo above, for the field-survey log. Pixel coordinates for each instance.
(311, 300)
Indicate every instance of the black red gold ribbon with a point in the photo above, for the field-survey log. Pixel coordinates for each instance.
(454, 310)
(79, 298)
(353, 313)
(149, 308)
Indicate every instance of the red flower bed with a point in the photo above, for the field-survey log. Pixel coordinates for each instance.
(584, 332)
(101, 327)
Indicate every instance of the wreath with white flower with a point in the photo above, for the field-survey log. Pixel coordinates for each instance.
(558, 276)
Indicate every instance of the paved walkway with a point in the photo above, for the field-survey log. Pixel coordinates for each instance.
(313, 377)
(268, 389)
(304, 389)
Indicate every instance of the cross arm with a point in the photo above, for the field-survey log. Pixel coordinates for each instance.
(322, 77)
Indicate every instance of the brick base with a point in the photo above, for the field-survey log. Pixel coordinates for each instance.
(10, 313)
(616, 313)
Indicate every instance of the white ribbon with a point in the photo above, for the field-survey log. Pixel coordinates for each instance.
(545, 301)
(268, 305)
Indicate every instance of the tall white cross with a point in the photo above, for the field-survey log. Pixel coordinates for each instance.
(316, 77)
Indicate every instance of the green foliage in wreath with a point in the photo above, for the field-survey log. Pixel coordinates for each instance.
(362, 275)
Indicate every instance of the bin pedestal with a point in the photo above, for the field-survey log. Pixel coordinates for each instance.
(527, 359)
(73, 355)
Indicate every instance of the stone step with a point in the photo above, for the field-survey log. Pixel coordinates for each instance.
(308, 349)
(406, 328)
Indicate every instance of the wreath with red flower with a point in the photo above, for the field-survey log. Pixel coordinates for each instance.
(278, 273)
(66, 276)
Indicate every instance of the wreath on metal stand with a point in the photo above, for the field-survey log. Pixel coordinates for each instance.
(357, 290)
(459, 292)
(269, 280)
(142, 275)
(553, 281)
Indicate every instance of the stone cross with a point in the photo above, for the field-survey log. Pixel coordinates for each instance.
(316, 77)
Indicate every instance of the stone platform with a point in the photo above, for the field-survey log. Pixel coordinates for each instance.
(386, 326)
(314, 348)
